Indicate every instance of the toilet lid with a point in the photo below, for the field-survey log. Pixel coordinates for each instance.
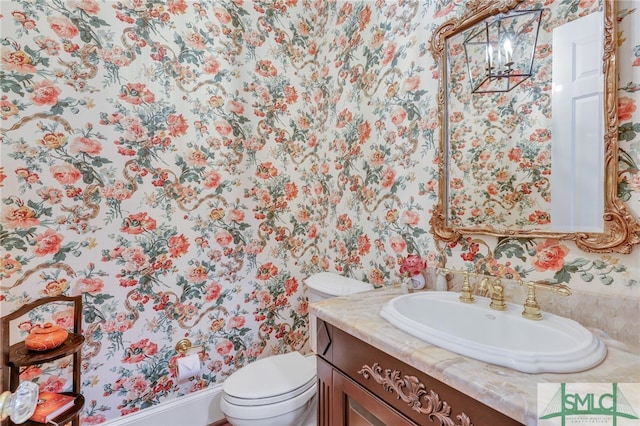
(273, 378)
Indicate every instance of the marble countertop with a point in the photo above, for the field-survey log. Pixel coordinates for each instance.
(508, 391)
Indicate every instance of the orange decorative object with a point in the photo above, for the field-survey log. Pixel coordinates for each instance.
(45, 337)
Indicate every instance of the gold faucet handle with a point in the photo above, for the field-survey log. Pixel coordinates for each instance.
(560, 289)
(531, 306)
(497, 296)
(483, 288)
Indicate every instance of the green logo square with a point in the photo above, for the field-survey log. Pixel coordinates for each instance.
(598, 404)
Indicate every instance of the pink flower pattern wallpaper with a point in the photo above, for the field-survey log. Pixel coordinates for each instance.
(185, 165)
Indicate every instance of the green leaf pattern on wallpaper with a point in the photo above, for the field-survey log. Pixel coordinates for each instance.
(185, 165)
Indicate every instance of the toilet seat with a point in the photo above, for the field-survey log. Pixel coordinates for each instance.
(271, 380)
(265, 412)
(249, 402)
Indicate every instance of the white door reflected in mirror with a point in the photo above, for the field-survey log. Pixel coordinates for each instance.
(577, 153)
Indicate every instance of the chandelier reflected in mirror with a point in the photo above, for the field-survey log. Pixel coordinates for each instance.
(500, 50)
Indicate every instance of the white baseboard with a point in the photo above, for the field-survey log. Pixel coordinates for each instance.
(200, 408)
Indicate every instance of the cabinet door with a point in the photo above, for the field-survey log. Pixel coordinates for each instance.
(325, 387)
(352, 405)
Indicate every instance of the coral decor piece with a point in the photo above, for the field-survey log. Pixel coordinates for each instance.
(45, 337)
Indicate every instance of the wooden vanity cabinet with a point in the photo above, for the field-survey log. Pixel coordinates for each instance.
(360, 385)
(347, 403)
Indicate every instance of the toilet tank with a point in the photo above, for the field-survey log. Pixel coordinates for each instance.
(325, 285)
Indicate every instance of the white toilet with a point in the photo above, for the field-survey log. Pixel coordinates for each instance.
(281, 390)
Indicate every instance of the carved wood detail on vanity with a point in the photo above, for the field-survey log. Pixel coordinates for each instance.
(416, 394)
(350, 373)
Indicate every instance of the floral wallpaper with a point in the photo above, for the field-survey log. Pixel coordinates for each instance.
(497, 138)
(185, 165)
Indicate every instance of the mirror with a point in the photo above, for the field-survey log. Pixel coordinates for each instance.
(496, 174)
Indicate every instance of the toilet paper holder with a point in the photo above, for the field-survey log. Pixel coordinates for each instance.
(184, 346)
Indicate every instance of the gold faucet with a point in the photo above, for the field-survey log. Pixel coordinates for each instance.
(495, 288)
(496, 292)
(531, 306)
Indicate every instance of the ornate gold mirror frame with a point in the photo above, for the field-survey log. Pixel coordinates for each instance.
(621, 229)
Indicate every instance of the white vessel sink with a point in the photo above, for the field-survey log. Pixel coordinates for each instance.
(551, 345)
